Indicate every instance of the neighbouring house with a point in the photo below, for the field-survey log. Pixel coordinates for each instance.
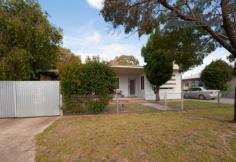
(132, 82)
(192, 81)
(48, 74)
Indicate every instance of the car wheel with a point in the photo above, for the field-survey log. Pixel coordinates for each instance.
(202, 97)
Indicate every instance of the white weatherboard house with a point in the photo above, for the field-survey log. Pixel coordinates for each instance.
(134, 83)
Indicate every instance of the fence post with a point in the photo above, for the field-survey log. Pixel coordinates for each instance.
(234, 104)
(165, 98)
(117, 104)
(182, 101)
(218, 97)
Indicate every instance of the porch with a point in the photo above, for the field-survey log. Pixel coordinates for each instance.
(130, 82)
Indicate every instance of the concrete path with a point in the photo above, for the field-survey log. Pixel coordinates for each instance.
(157, 106)
(17, 143)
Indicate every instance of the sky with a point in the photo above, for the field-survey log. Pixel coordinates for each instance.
(85, 33)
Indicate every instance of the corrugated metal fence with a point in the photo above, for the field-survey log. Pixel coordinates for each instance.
(29, 98)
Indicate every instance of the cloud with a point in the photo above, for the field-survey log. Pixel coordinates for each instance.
(82, 40)
(117, 48)
(87, 41)
(98, 4)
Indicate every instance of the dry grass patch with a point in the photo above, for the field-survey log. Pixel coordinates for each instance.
(198, 135)
(129, 107)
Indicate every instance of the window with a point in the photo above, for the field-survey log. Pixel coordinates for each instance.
(142, 82)
(117, 83)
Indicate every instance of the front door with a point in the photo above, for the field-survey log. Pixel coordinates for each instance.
(132, 87)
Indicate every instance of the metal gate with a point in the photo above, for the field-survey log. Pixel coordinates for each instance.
(29, 98)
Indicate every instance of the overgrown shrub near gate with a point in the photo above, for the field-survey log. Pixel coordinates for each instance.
(74, 104)
(86, 87)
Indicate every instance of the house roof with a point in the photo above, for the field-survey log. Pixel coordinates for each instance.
(175, 67)
(120, 69)
(128, 70)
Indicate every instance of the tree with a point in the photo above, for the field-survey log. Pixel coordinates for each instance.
(67, 57)
(186, 45)
(159, 62)
(28, 42)
(216, 75)
(182, 48)
(216, 18)
(124, 60)
(15, 66)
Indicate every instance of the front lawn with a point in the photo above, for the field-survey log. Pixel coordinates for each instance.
(196, 135)
(195, 104)
(128, 108)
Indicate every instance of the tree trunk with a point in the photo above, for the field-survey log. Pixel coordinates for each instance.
(157, 93)
(234, 105)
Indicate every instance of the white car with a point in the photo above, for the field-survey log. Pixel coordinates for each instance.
(201, 93)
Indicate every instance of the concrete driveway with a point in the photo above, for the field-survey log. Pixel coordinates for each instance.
(17, 143)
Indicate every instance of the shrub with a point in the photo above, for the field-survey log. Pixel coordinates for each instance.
(86, 87)
(74, 104)
(216, 75)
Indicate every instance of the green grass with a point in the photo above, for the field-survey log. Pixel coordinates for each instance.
(195, 104)
(204, 134)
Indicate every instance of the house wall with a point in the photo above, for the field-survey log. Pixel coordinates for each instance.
(124, 85)
(172, 88)
(192, 83)
(148, 90)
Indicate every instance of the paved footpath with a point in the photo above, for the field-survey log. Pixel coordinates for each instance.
(17, 142)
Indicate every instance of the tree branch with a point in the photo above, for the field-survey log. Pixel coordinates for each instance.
(226, 23)
(139, 3)
(229, 47)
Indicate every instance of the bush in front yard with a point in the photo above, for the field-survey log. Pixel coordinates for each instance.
(74, 104)
(217, 74)
(86, 87)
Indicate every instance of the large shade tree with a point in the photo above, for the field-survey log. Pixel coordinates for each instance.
(216, 19)
(186, 46)
(28, 42)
